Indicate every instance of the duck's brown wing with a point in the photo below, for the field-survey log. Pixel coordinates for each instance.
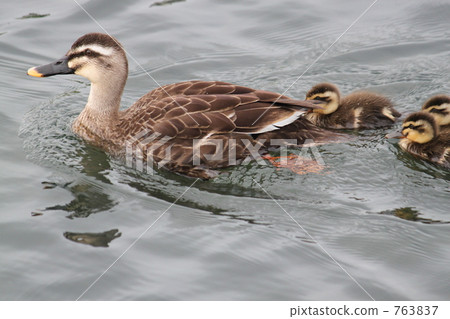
(188, 115)
(199, 120)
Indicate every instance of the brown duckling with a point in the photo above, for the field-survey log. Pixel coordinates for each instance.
(421, 137)
(439, 107)
(358, 110)
(191, 127)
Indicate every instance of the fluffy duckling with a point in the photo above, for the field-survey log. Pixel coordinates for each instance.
(421, 137)
(191, 127)
(358, 110)
(439, 107)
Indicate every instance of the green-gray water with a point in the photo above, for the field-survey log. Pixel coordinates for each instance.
(68, 210)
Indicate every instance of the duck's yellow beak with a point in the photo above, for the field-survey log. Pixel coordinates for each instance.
(59, 66)
(34, 72)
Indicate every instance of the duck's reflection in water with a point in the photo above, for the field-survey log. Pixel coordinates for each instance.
(94, 239)
(88, 200)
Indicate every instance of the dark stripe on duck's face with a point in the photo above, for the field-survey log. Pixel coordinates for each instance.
(419, 128)
(88, 52)
(411, 126)
(439, 111)
(322, 98)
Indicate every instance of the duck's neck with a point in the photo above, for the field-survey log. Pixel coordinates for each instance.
(101, 113)
(104, 101)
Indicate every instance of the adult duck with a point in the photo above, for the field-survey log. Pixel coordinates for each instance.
(192, 127)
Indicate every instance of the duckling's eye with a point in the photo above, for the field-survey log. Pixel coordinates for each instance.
(88, 52)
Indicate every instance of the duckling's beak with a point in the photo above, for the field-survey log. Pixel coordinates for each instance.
(396, 134)
(59, 66)
(317, 105)
(312, 105)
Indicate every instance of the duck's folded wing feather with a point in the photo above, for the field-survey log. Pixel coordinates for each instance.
(197, 88)
(196, 108)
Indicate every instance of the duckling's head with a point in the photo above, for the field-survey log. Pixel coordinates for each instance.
(325, 95)
(96, 56)
(439, 107)
(420, 127)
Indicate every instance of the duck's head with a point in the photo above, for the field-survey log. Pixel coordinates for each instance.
(420, 127)
(325, 95)
(96, 56)
(439, 107)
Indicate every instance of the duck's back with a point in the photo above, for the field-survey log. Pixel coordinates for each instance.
(365, 110)
(196, 108)
(445, 129)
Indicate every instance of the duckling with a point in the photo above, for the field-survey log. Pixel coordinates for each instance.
(421, 137)
(359, 110)
(191, 128)
(439, 107)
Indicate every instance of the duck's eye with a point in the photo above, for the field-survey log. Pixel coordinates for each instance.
(88, 52)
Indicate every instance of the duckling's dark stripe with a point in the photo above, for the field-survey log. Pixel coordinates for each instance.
(439, 111)
(415, 127)
(321, 98)
(411, 126)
